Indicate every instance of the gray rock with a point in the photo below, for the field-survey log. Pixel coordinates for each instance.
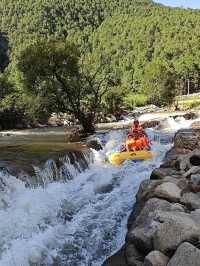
(192, 171)
(191, 200)
(169, 191)
(190, 115)
(185, 255)
(133, 256)
(160, 173)
(187, 139)
(142, 235)
(155, 204)
(175, 228)
(156, 258)
(171, 179)
(195, 179)
(146, 190)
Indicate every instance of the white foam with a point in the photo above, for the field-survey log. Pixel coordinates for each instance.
(32, 227)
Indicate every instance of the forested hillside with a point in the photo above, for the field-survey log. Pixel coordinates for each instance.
(142, 52)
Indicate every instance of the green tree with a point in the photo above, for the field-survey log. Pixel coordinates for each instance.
(51, 69)
(159, 83)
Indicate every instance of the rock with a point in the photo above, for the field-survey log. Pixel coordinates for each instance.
(134, 257)
(190, 115)
(193, 170)
(195, 125)
(188, 139)
(152, 205)
(169, 191)
(182, 184)
(185, 255)
(195, 159)
(156, 258)
(171, 180)
(191, 200)
(150, 123)
(160, 173)
(142, 235)
(118, 259)
(175, 228)
(195, 178)
(94, 144)
(110, 118)
(146, 190)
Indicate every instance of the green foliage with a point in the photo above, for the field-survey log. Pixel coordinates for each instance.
(135, 100)
(159, 83)
(128, 53)
(51, 71)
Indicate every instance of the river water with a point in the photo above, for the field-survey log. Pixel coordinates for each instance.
(76, 222)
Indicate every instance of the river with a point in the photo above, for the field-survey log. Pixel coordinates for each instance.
(74, 222)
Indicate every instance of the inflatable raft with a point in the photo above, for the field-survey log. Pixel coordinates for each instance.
(120, 157)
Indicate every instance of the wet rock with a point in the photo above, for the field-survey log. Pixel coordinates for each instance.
(104, 189)
(191, 200)
(134, 257)
(175, 228)
(150, 123)
(169, 191)
(190, 115)
(118, 259)
(185, 255)
(94, 144)
(156, 258)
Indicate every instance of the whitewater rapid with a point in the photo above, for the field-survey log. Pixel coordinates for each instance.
(78, 222)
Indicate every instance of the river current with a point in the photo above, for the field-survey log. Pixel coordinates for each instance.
(76, 222)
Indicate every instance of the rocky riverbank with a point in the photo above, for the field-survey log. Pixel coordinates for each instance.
(164, 227)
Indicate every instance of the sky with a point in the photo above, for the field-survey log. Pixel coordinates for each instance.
(180, 3)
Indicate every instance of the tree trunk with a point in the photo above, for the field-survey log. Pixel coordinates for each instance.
(87, 122)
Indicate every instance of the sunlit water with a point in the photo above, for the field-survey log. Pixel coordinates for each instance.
(77, 222)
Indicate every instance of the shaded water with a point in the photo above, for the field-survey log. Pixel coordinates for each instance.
(79, 220)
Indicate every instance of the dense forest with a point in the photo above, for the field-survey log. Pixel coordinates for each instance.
(84, 56)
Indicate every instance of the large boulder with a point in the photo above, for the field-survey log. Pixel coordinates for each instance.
(156, 258)
(187, 139)
(152, 205)
(169, 191)
(185, 255)
(160, 173)
(191, 200)
(146, 190)
(142, 235)
(175, 228)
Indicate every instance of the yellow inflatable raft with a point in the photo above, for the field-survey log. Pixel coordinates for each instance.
(119, 158)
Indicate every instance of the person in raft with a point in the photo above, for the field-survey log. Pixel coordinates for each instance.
(137, 139)
(137, 129)
(136, 142)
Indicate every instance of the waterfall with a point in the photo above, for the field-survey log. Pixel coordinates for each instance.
(74, 210)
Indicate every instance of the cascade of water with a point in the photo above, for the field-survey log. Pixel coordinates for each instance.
(62, 169)
(78, 222)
